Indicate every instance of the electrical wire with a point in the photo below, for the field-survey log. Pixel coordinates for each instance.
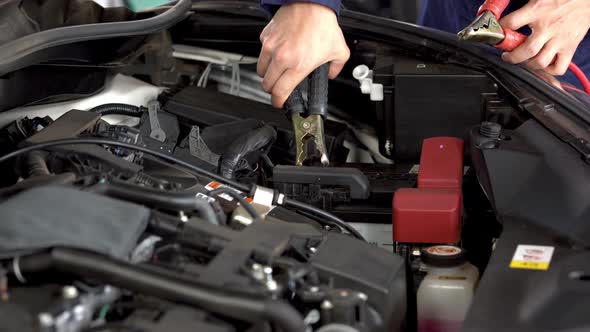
(326, 215)
(238, 196)
(318, 213)
(101, 141)
(581, 76)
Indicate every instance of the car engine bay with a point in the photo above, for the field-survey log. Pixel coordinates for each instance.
(158, 192)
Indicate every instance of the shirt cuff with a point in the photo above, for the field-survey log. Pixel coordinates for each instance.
(271, 6)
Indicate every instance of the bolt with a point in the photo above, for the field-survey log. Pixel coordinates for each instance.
(272, 285)
(257, 272)
(183, 217)
(363, 296)
(312, 317)
(314, 289)
(69, 292)
(327, 305)
(313, 249)
(306, 125)
(389, 147)
(421, 66)
(45, 319)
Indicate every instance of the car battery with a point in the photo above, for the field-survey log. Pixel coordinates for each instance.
(424, 99)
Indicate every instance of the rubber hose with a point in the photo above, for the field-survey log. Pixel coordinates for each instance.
(135, 278)
(186, 234)
(35, 165)
(159, 199)
(241, 147)
(119, 109)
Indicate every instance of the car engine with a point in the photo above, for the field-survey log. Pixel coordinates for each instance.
(157, 192)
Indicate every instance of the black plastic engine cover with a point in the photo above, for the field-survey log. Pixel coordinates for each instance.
(349, 263)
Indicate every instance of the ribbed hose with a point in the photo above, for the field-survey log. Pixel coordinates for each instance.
(244, 145)
(119, 109)
(147, 281)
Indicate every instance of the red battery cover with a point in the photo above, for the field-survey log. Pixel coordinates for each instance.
(432, 212)
(427, 215)
(441, 163)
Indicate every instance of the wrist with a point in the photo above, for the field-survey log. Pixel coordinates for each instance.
(334, 5)
(311, 9)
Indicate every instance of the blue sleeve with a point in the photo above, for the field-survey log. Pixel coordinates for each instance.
(272, 5)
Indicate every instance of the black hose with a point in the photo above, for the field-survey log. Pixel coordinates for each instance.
(163, 156)
(244, 145)
(186, 234)
(119, 109)
(331, 219)
(238, 196)
(158, 199)
(124, 275)
(35, 165)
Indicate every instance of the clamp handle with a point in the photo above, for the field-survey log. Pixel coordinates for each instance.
(496, 7)
(318, 91)
(295, 103)
(317, 101)
(512, 40)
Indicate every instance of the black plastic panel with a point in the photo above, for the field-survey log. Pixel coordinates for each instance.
(539, 187)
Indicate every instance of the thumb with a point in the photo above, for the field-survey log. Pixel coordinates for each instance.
(519, 18)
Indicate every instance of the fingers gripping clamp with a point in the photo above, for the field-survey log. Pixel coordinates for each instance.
(308, 120)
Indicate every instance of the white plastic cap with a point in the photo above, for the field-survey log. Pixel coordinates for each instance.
(361, 72)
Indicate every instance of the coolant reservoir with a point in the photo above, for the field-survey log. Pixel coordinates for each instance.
(445, 294)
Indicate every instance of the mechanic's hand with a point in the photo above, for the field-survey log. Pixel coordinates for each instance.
(300, 38)
(558, 27)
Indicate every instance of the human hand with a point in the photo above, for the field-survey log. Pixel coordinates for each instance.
(299, 38)
(558, 27)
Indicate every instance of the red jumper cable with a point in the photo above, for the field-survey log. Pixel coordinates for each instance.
(487, 29)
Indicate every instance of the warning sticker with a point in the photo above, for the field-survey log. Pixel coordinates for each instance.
(532, 257)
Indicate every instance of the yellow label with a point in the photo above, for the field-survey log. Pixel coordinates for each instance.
(529, 265)
(532, 257)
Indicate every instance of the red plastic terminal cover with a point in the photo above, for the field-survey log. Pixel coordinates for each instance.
(427, 215)
(432, 212)
(441, 163)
